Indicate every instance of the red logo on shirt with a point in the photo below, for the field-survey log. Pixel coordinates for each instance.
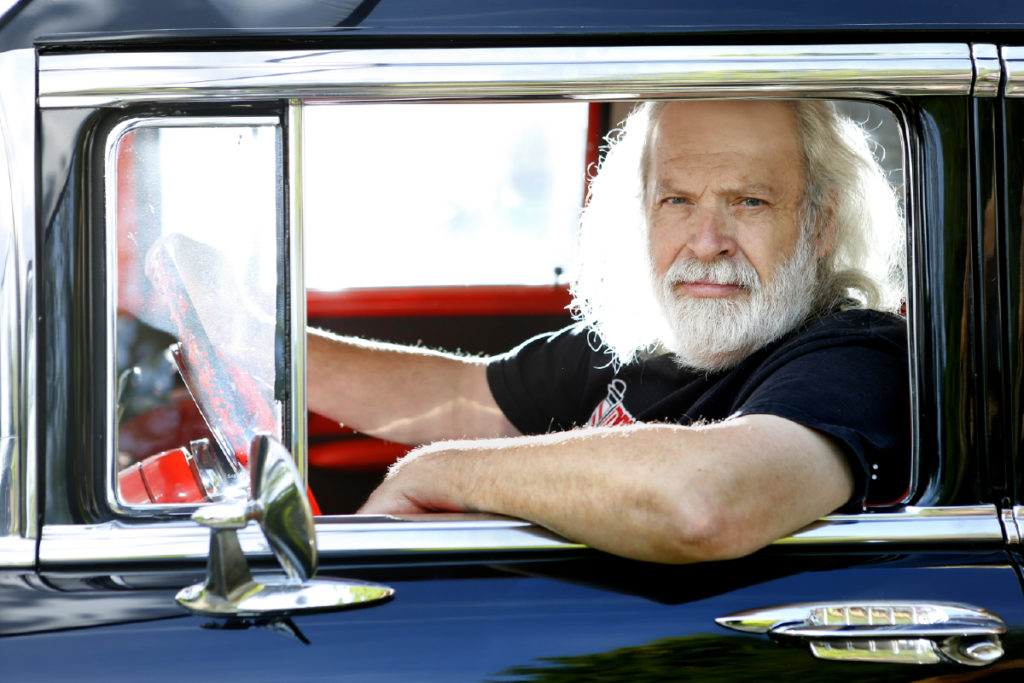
(610, 412)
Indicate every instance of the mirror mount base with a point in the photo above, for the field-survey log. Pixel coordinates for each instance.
(279, 505)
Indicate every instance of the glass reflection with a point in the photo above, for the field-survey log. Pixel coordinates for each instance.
(197, 224)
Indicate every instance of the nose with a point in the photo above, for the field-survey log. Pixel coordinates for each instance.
(710, 239)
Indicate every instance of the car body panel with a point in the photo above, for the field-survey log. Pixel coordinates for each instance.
(478, 624)
(1009, 201)
(87, 591)
(328, 20)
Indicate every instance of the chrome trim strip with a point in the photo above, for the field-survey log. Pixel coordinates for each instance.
(1011, 532)
(988, 70)
(1014, 521)
(1013, 64)
(418, 533)
(297, 291)
(336, 536)
(354, 536)
(913, 525)
(11, 466)
(867, 619)
(117, 542)
(18, 417)
(105, 79)
(110, 200)
(17, 552)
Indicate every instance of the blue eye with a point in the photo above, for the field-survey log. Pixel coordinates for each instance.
(751, 202)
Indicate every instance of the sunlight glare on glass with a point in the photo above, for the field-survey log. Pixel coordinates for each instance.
(405, 195)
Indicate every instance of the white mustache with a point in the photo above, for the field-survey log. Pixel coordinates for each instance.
(723, 272)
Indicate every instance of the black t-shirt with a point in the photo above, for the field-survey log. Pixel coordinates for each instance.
(844, 375)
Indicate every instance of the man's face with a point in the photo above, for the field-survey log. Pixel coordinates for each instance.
(723, 195)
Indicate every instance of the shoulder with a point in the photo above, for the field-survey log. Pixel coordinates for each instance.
(575, 341)
(548, 381)
(856, 326)
(854, 338)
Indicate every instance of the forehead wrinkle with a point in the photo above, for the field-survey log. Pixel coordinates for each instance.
(743, 164)
(732, 168)
(673, 186)
(739, 157)
(741, 186)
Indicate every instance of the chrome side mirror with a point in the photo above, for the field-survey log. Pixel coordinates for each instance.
(278, 503)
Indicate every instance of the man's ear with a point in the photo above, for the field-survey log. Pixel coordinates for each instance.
(825, 235)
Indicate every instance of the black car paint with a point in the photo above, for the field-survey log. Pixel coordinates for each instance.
(84, 23)
(1008, 255)
(484, 622)
(467, 618)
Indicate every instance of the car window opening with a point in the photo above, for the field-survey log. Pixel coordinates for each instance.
(440, 226)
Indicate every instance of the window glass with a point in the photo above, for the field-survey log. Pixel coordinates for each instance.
(885, 138)
(437, 194)
(884, 134)
(198, 215)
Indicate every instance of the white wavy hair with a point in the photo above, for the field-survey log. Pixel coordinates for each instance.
(845, 190)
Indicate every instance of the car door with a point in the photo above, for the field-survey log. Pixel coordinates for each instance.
(1008, 203)
(482, 597)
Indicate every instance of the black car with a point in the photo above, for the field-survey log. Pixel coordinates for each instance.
(167, 170)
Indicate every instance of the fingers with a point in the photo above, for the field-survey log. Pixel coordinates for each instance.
(415, 484)
(384, 501)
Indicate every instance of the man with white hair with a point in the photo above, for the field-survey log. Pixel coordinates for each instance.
(731, 378)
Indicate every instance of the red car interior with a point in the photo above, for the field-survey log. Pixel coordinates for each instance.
(345, 465)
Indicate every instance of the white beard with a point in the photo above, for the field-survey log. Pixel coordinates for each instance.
(713, 334)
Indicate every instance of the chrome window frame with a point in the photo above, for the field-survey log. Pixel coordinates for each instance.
(866, 72)
(111, 147)
(18, 422)
(297, 299)
(988, 70)
(628, 73)
(1013, 67)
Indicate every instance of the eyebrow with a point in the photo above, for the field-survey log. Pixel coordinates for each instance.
(753, 188)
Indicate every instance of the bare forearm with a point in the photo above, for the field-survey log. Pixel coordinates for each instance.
(541, 479)
(404, 394)
(653, 492)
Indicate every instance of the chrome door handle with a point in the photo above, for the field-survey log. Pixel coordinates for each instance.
(910, 631)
